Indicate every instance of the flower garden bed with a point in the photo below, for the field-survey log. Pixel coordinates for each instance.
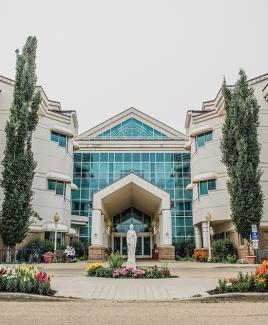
(99, 270)
(25, 279)
(253, 282)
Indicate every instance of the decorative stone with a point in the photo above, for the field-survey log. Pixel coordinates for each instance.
(96, 253)
(167, 252)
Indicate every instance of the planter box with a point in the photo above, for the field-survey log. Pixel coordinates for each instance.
(251, 259)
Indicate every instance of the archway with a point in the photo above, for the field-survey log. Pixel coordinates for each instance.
(131, 191)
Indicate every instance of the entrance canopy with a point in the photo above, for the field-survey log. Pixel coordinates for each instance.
(131, 190)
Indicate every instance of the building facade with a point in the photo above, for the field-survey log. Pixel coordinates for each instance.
(209, 175)
(53, 146)
(133, 169)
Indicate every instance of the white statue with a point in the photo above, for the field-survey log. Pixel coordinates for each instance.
(131, 247)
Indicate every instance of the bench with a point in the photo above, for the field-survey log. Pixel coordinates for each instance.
(262, 254)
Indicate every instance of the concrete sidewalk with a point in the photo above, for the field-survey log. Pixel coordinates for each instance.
(131, 289)
(70, 280)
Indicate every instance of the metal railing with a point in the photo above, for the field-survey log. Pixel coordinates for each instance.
(18, 256)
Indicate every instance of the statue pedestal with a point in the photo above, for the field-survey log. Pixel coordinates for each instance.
(131, 265)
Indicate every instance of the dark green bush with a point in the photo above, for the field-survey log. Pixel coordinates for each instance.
(223, 248)
(184, 249)
(104, 272)
(81, 249)
(44, 245)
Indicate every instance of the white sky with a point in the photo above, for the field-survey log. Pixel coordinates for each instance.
(162, 57)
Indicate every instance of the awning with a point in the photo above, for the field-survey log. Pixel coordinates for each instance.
(51, 227)
(74, 187)
(203, 177)
(76, 145)
(189, 187)
(72, 232)
(59, 177)
(187, 145)
(201, 129)
(62, 130)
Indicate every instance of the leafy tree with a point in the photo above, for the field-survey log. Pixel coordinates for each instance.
(18, 162)
(241, 155)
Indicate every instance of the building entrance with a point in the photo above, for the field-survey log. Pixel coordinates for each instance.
(143, 248)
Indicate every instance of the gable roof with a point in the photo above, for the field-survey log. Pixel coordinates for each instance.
(134, 113)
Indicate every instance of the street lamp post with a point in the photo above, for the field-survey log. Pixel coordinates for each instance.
(56, 219)
(208, 219)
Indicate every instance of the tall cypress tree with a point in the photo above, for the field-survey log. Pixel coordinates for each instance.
(18, 162)
(241, 155)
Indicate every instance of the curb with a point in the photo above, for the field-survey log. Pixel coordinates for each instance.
(31, 297)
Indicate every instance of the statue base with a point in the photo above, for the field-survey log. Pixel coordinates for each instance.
(131, 265)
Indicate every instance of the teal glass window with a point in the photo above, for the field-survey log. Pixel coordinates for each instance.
(206, 186)
(167, 170)
(57, 186)
(203, 138)
(132, 129)
(200, 140)
(203, 187)
(59, 138)
(212, 184)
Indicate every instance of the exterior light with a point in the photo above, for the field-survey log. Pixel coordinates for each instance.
(56, 219)
(208, 219)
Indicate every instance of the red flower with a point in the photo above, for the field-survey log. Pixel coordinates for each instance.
(42, 277)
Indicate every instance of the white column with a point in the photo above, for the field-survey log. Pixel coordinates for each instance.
(205, 234)
(165, 228)
(97, 228)
(198, 238)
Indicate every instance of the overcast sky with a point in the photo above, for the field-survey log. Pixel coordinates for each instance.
(160, 56)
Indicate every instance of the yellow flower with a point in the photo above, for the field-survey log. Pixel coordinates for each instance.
(93, 266)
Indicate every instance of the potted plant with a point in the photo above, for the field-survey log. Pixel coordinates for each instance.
(48, 257)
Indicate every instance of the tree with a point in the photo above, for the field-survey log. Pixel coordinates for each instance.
(241, 155)
(18, 162)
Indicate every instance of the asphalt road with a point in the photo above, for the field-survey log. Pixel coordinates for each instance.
(85, 312)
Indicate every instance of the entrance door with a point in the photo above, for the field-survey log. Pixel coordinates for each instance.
(143, 247)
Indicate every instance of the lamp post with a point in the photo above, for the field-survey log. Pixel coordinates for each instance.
(56, 219)
(208, 219)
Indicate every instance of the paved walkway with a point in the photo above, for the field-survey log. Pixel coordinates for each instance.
(194, 279)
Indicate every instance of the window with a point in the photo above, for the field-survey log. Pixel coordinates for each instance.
(50, 236)
(59, 138)
(203, 138)
(57, 186)
(205, 186)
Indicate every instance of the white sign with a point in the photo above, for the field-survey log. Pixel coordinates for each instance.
(254, 228)
(255, 244)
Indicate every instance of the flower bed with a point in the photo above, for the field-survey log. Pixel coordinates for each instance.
(25, 279)
(98, 270)
(254, 282)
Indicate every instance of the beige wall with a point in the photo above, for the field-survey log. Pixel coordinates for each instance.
(49, 156)
(208, 159)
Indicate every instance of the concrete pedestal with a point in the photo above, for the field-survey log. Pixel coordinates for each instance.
(167, 252)
(96, 253)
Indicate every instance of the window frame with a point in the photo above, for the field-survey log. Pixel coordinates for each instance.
(56, 182)
(59, 136)
(207, 181)
(205, 136)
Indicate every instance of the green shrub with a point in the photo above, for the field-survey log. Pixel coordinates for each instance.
(115, 260)
(81, 249)
(184, 249)
(223, 248)
(106, 272)
(231, 259)
(44, 245)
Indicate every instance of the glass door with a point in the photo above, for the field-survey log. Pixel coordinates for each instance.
(143, 247)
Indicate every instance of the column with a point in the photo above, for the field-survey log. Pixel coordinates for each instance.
(198, 237)
(97, 228)
(165, 228)
(205, 234)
